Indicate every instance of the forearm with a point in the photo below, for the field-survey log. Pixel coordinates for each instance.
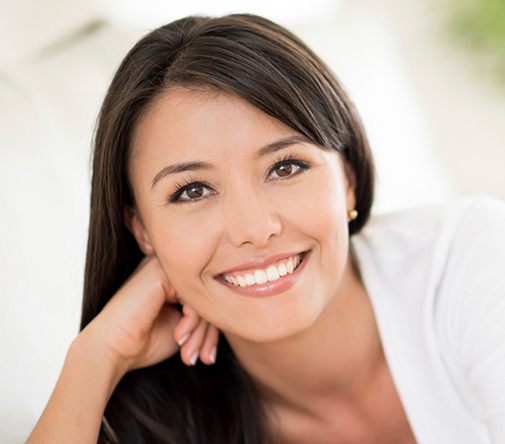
(75, 408)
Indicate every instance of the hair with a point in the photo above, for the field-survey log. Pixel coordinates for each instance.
(273, 70)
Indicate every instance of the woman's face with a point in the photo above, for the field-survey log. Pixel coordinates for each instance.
(242, 206)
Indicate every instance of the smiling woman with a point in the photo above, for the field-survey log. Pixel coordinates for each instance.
(250, 201)
(231, 197)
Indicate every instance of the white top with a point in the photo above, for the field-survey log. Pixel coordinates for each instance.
(435, 276)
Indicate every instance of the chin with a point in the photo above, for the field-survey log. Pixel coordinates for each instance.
(274, 328)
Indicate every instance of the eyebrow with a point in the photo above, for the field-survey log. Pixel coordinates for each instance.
(199, 165)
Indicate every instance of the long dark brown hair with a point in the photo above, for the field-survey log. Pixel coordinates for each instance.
(274, 71)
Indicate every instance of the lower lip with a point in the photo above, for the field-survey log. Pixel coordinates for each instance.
(272, 287)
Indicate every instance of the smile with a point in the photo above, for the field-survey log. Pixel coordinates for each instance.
(274, 279)
(260, 276)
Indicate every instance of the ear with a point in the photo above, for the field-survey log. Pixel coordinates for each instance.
(136, 226)
(350, 185)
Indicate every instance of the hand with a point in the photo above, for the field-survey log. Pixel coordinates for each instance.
(140, 326)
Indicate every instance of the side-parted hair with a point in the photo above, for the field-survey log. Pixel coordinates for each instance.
(273, 70)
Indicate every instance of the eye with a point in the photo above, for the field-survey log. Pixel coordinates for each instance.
(289, 166)
(194, 191)
(189, 192)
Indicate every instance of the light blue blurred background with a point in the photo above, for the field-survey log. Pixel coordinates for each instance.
(435, 121)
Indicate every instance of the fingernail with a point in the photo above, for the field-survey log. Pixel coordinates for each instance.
(194, 358)
(183, 340)
(212, 355)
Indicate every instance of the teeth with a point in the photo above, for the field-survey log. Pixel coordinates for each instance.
(249, 278)
(260, 276)
(289, 266)
(241, 281)
(272, 273)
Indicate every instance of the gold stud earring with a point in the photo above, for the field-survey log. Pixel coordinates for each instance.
(352, 214)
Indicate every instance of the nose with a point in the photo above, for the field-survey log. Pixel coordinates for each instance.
(251, 218)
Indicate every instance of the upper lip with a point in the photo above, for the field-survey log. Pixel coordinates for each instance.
(261, 262)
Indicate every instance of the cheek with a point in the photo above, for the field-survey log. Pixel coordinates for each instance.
(184, 249)
(323, 216)
(320, 207)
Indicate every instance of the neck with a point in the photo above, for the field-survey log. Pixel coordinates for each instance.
(332, 360)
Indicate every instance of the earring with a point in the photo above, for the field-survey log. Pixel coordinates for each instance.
(352, 214)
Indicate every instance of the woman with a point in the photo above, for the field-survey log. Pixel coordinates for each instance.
(230, 172)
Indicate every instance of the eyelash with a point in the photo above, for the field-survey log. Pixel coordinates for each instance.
(284, 160)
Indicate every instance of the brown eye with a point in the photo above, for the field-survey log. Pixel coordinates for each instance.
(284, 170)
(288, 168)
(194, 192)
(191, 192)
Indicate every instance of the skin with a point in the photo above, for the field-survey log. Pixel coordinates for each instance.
(249, 210)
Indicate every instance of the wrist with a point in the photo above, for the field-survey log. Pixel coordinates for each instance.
(87, 349)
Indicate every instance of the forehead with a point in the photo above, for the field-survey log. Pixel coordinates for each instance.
(184, 122)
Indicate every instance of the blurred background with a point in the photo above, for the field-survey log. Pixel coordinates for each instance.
(428, 78)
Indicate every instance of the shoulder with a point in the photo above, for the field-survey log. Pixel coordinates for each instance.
(477, 216)
(447, 257)
(436, 277)
(475, 250)
(470, 265)
(480, 219)
(470, 312)
(441, 268)
(472, 285)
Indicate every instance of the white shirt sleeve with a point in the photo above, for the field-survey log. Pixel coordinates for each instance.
(474, 283)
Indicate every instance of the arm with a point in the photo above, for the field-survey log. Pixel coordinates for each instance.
(75, 409)
(138, 327)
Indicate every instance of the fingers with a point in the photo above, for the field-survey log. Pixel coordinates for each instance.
(196, 337)
(191, 349)
(193, 334)
(208, 350)
(186, 325)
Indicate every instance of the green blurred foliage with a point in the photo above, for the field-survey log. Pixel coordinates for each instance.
(480, 25)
